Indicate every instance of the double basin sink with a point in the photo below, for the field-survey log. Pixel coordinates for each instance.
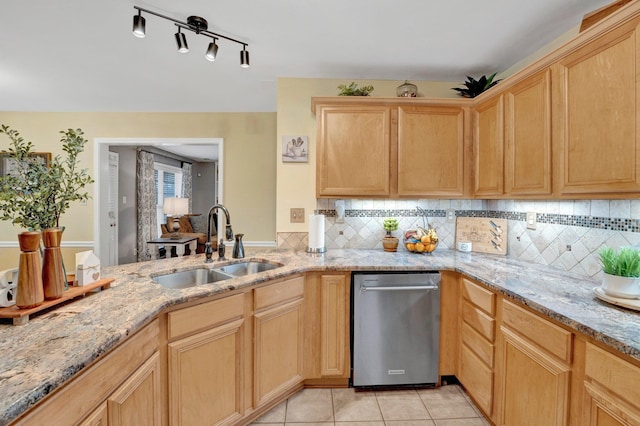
(204, 275)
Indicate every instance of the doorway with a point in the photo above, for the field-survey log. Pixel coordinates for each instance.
(102, 224)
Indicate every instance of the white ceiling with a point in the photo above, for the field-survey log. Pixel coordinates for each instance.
(80, 55)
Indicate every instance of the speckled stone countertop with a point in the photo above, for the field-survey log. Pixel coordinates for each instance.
(40, 356)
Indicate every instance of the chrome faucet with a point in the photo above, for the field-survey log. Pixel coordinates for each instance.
(208, 250)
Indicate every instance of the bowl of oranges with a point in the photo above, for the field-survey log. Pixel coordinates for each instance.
(421, 240)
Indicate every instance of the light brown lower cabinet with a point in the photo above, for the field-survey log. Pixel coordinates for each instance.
(137, 400)
(205, 369)
(278, 337)
(534, 370)
(611, 391)
(122, 386)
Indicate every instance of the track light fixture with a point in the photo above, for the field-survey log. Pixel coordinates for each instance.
(244, 57)
(194, 24)
(181, 41)
(212, 50)
(139, 25)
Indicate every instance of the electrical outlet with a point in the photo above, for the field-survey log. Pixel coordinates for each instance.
(451, 216)
(297, 215)
(531, 220)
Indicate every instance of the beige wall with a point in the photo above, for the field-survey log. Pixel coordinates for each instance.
(249, 170)
(296, 181)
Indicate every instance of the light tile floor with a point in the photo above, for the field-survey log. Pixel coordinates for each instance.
(445, 406)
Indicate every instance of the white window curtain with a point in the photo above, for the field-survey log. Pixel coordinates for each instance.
(187, 183)
(147, 226)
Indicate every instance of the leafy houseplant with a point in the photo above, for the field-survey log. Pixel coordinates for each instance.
(353, 90)
(34, 195)
(474, 87)
(389, 242)
(621, 272)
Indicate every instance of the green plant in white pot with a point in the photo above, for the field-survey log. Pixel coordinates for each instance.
(621, 272)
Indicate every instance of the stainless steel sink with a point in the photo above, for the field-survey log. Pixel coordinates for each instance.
(191, 278)
(247, 268)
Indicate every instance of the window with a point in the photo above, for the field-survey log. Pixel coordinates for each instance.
(168, 184)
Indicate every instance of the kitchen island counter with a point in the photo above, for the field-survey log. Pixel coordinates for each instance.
(50, 349)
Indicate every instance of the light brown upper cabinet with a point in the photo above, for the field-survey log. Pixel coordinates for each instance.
(431, 151)
(386, 147)
(353, 154)
(528, 137)
(489, 148)
(596, 116)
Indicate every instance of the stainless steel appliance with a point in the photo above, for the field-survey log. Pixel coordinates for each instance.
(396, 328)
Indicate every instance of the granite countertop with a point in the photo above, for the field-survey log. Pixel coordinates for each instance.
(40, 356)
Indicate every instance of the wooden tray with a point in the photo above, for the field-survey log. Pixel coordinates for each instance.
(21, 316)
(487, 235)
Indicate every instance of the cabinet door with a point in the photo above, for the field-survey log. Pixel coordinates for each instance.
(334, 326)
(278, 350)
(431, 151)
(137, 400)
(205, 377)
(528, 137)
(534, 385)
(611, 394)
(99, 417)
(596, 122)
(353, 147)
(488, 148)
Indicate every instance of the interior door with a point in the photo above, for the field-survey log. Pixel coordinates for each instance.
(112, 209)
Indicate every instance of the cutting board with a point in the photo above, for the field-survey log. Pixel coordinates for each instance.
(487, 235)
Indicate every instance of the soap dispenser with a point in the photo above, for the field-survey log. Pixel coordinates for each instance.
(238, 248)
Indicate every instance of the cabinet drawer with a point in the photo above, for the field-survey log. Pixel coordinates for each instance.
(479, 296)
(478, 344)
(614, 373)
(205, 315)
(477, 379)
(278, 293)
(481, 322)
(552, 338)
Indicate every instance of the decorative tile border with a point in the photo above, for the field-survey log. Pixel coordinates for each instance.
(608, 223)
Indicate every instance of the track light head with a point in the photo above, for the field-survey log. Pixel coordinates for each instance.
(139, 24)
(181, 41)
(212, 51)
(244, 57)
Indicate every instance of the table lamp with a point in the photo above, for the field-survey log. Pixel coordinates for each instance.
(175, 207)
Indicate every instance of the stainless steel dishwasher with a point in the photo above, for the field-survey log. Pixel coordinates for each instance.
(396, 328)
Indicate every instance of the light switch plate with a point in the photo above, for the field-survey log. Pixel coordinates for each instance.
(297, 215)
(531, 220)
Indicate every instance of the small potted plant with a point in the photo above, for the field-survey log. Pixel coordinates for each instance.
(389, 242)
(474, 87)
(353, 90)
(621, 272)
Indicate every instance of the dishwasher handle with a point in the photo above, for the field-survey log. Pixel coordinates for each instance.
(399, 288)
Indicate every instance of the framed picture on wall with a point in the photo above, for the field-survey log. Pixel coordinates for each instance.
(295, 149)
(8, 163)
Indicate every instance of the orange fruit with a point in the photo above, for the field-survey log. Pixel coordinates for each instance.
(419, 247)
(411, 246)
(425, 239)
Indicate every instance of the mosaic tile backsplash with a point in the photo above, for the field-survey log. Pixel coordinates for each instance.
(568, 234)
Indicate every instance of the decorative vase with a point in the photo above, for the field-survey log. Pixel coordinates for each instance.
(30, 290)
(407, 90)
(53, 276)
(390, 243)
(624, 287)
